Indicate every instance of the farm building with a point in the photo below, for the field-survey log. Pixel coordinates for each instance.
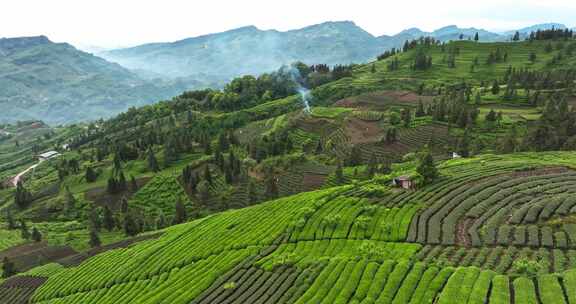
(48, 155)
(455, 155)
(403, 181)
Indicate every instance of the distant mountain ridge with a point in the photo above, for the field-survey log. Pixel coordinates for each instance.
(57, 83)
(249, 50)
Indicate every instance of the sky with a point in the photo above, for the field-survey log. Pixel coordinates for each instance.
(122, 23)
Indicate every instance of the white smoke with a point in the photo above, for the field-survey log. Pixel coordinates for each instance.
(305, 95)
(300, 83)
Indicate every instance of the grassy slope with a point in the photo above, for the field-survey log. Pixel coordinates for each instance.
(310, 229)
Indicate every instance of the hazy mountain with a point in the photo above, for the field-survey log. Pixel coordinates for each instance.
(57, 83)
(447, 33)
(543, 26)
(249, 50)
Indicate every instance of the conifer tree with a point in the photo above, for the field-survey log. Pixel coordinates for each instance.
(94, 239)
(339, 174)
(124, 205)
(161, 221)
(90, 175)
(36, 235)
(207, 174)
(495, 88)
(25, 234)
(420, 111)
(130, 226)
(8, 268)
(22, 197)
(70, 201)
(152, 162)
(252, 194)
(180, 216)
(108, 219)
(204, 191)
(426, 168)
(10, 220)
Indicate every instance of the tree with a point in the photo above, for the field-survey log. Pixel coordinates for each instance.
(495, 88)
(339, 174)
(355, 157)
(109, 222)
(372, 166)
(91, 175)
(24, 230)
(22, 197)
(426, 168)
(36, 235)
(152, 161)
(180, 215)
(407, 117)
(391, 135)
(207, 174)
(271, 184)
(70, 201)
(464, 145)
(204, 191)
(10, 220)
(8, 268)
(122, 184)
(124, 205)
(252, 194)
(161, 221)
(420, 110)
(516, 36)
(94, 239)
(130, 226)
(532, 57)
(133, 184)
(94, 218)
(476, 38)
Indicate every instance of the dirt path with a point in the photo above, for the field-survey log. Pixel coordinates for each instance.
(17, 178)
(462, 236)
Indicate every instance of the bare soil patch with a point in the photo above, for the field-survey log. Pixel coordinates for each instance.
(30, 255)
(382, 99)
(360, 131)
(312, 181)
(462, 236)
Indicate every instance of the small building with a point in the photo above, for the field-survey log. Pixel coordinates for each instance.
(456, 155)
(48, 155)
(403, 182)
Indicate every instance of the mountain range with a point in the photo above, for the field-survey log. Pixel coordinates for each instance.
(58, 83)
(249, 50)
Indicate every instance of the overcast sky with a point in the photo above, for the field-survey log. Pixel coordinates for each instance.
(119, 23)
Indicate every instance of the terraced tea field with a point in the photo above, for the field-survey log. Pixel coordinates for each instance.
(458, 239)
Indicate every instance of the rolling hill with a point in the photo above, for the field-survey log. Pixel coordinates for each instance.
(233, 196)
(249, 50)
(58, 84)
